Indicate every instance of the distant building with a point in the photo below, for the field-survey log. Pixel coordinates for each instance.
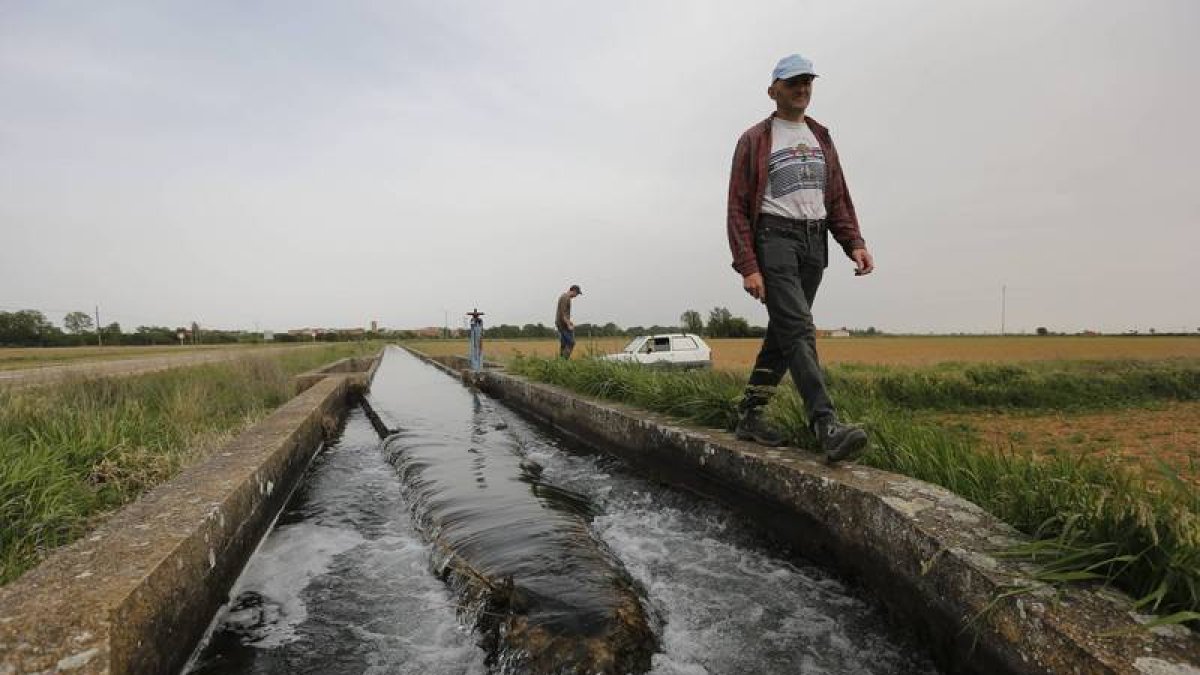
(839, 332)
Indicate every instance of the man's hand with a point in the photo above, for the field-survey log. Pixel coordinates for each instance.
(753, 283)
(863, 262)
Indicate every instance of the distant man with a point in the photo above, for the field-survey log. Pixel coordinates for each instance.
(786, 192)
(562, 321)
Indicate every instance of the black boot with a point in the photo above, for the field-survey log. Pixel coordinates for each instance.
(839, 441)
(752, 426)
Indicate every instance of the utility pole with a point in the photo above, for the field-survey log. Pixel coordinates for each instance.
(99, 331)
(1003, 306)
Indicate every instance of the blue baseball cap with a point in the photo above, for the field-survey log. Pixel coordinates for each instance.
(791, 66)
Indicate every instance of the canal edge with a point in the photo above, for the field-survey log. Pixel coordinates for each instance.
(136, 594)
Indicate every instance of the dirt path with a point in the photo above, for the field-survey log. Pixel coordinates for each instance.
(33, 377)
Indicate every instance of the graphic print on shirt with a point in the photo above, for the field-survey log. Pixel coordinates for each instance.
(800, 167)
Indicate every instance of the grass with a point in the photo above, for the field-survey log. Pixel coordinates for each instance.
(1142, 436)
(1048, 385)
(71, 452)
(1090, 517)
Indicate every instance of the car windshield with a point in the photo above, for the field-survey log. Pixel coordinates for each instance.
(633, 344)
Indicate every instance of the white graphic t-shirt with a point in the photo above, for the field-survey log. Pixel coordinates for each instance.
(796, 172)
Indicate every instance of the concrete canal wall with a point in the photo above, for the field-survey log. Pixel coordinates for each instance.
(932, 557)
(358, 372)
(137, 594)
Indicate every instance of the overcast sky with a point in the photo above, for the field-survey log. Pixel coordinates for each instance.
(287, 164)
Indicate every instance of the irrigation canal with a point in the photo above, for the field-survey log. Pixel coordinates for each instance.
(470, 537)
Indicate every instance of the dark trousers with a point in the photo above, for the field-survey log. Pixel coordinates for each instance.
(792, 256)
(566, 342)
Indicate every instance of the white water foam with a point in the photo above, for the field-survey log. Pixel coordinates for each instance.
(726, 604)
(344, 582)
(417, 634)
(288, 561)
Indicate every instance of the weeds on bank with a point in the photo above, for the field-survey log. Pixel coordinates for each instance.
(1050, 385)
(73, 451)
(1090, 518)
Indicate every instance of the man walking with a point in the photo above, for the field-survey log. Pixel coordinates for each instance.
(786, 192)
(562, 321)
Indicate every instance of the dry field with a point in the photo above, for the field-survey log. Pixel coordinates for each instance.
(735, 354)
(738, 354)
(1140, 436)
(14, 358)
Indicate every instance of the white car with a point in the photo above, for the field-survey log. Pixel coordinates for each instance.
(678, 350)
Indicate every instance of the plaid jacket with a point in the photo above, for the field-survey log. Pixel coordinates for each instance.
(748, 184)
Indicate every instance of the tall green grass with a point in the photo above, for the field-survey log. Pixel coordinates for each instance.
(1051, 385)
(1089, 518)
(73, 451)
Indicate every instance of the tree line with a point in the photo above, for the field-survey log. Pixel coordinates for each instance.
(31, 328)
(721, 323)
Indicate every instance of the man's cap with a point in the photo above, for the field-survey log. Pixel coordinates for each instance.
(575, 287)
(791, 66)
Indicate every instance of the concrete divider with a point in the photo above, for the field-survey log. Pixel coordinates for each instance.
(933, 558)
(137, 594)
(358, 371)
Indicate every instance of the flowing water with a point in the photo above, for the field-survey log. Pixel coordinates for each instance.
(346, 582)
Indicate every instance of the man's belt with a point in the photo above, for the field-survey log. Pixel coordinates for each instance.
(782, 224)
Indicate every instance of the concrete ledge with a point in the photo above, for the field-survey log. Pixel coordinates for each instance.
(358, 371)
(138, 593)
(929, 555)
